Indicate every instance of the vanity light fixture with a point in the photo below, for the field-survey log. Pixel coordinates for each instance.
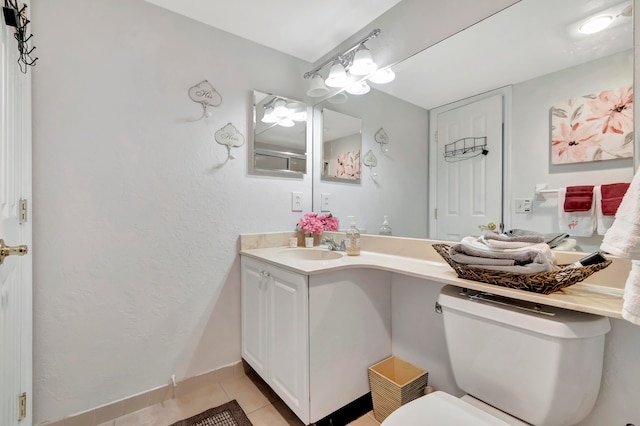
(349, 69)
(317, 88)
(362, 62)
(269, 117)
(337, 75)
(359, 88)
(285, 114)
(297, 111)
(280, 108)
(383, 76)
(596, 24)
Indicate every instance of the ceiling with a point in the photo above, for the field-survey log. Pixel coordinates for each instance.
(304, 29)
(529, 39)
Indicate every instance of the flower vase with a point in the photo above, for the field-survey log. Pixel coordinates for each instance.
(302, 239)
(308, 242)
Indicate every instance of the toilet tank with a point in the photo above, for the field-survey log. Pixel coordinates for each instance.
(538, 363)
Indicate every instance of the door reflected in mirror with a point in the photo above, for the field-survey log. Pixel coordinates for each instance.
(279, 136)
(341, 147)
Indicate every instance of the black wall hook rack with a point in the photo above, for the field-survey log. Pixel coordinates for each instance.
(16, 17)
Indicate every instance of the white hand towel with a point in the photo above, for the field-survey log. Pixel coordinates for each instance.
(603, 223)
(631, 305)
(623, 237)
(578, 224)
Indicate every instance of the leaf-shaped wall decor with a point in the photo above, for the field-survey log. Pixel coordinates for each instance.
(230, 136)
(370, 160)
(206, 95)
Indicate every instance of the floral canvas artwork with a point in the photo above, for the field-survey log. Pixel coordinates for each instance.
(348, 165)
(593, 127)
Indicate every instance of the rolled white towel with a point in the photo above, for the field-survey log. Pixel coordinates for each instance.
(631, 304)
(622, 239)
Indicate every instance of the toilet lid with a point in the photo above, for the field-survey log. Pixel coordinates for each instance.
(440, 408)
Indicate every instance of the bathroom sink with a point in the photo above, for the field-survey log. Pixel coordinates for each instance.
(310, 254)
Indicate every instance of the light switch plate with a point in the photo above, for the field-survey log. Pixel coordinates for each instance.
(523, 205)
(296, 201)
(324, 203)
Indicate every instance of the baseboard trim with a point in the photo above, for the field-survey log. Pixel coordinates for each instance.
(119, 408)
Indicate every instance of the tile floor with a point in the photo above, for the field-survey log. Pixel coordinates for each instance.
(262, 406)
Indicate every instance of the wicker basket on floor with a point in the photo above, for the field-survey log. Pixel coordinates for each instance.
(542, 282)
(394, 382)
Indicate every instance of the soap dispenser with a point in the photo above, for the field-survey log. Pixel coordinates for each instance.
(352, 244)
(385, 229)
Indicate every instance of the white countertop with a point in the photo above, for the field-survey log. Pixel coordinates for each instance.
(588, 296)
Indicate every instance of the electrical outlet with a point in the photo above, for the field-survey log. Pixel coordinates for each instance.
(523, 205)
(324, 203)
(296, 201)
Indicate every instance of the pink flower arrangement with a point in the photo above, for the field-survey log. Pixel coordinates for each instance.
(312, 224)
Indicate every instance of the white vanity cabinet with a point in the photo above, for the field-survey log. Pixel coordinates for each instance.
(312, 338)
(275, 333)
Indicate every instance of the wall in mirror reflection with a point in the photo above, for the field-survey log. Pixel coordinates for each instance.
(341, 147)
(400, 191)
(529, 160)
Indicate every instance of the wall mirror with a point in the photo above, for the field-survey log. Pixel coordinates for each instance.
(539, 56)
(278, 140)
(341, 138)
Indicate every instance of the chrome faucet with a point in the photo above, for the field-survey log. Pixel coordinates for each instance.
(332, 245)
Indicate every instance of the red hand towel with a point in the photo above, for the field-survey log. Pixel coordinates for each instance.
(578, 198)
(612, 197)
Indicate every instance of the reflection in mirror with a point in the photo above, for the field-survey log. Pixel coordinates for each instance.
(341, 147)
(542, 61)
(279, 135)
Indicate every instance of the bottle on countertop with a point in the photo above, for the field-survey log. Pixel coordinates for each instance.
(385, 229)
(352, 244)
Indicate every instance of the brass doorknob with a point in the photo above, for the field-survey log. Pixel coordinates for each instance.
(6, 250)
(490, 226)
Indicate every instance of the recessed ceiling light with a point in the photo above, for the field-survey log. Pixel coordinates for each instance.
(596, 24)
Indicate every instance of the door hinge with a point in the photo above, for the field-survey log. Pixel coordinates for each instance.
(23, 210)
(436, 136)
(22, 406)
(435, 213)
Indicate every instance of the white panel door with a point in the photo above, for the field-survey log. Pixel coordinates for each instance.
(15, 272)
(254, 287)
(469, 183)
(289, 339)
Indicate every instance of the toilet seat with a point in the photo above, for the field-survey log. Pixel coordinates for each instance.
(440, 408)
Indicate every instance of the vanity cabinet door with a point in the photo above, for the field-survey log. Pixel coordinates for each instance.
(254, 287)
(275, 330)
(288, 340)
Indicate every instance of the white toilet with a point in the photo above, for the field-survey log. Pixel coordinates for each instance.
(519, 364)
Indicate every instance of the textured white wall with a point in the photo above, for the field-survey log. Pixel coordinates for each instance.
(136, 218)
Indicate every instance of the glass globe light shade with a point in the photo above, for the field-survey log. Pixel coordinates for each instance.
(337, 76)
(362, 62)
(287, 122)
(359, 88)
(383, 76)
(280, 108)
(269, 117)
(317, 87)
